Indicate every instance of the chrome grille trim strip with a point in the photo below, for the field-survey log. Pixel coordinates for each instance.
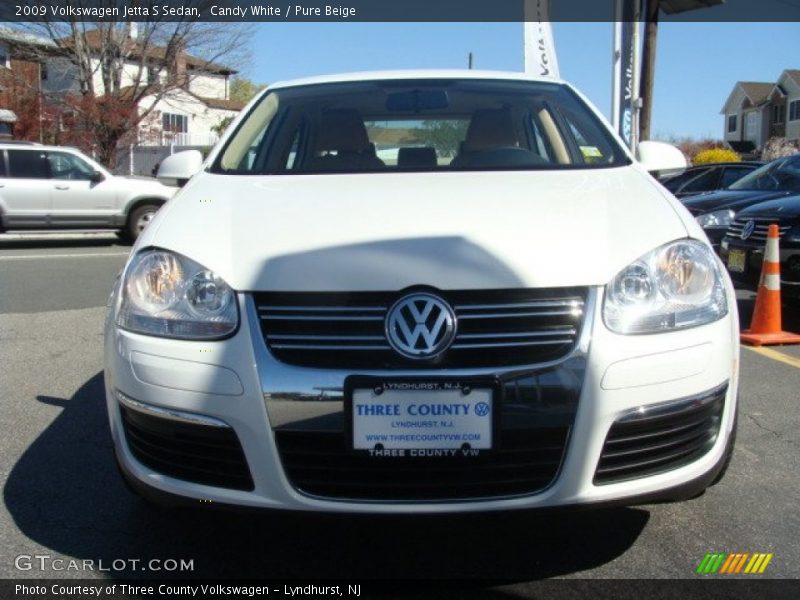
(318, 318)
(510, 344)
(511, 315)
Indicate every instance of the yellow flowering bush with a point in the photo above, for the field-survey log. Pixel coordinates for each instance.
(716, 155)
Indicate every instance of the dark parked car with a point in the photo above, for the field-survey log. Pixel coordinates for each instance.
(707, 178)
(715, 211)
(742, 247)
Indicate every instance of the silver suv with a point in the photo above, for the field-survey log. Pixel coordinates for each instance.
(54, 187)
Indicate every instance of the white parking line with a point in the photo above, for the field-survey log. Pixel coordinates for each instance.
(46, 256)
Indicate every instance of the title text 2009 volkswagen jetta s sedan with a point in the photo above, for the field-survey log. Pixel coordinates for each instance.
(421, 292)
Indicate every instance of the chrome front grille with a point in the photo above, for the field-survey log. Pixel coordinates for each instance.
(494, 328)
(759, 233)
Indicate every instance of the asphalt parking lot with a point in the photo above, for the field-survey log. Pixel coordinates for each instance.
(62, 496)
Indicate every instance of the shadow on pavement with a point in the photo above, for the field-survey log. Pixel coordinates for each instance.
(64, 493)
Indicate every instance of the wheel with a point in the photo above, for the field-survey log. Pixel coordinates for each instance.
(728, 450)
(139, 219)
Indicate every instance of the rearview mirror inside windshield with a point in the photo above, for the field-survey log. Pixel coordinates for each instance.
(417, 100)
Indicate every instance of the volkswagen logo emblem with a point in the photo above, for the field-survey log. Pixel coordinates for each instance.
(748, 229)
(420, 326)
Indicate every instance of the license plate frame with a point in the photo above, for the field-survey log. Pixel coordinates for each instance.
(353, 384)
(737, 260)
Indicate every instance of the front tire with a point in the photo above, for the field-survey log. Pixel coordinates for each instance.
(139, 219)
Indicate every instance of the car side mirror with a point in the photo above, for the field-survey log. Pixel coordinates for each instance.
(97, 177)
(659, 156)
(179, 168)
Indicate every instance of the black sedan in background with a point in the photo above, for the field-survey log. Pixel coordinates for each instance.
(715, 211)
(742, 247)
(707, 178)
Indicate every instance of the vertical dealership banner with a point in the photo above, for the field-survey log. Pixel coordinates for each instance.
(540, 47)
(624, 61)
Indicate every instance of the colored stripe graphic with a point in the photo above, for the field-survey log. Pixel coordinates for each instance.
(733, 563)
(765, 563)
(711, 563)
(740, 564)
(726, 568)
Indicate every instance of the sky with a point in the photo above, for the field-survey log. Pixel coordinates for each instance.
(697, 64)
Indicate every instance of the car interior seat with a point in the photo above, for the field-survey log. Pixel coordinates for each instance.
(492, 141)
(342, 131)
(417, 157)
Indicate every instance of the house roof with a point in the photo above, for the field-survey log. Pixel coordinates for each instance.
(24, 37)
(794, 74)
(756, 91)
(222, 103)
(219, 103)
(94, 40)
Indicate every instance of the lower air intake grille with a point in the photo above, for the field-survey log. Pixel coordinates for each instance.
(196, 453)
(318, 463)
(662, 438)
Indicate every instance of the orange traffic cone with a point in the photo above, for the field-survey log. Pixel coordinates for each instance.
(765, 328)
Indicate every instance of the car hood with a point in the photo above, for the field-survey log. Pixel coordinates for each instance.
(343, 232)
(780, 209)
(732, 199)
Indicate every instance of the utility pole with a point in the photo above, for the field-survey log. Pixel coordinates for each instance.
(652, 8)
(648, 70)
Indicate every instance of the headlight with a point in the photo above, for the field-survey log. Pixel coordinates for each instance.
(718, 219)
(169, 295)
(673, 287)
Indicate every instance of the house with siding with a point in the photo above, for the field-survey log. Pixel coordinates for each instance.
(756, 111)
(186, 115)
(22, 75)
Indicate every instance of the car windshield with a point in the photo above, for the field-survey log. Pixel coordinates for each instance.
(418, 125)
(780, 174)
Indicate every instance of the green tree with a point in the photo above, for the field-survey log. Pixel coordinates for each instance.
(445, 135)
(243, 90)
(220, 127)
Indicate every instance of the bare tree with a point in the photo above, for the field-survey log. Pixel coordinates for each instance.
(111, 75)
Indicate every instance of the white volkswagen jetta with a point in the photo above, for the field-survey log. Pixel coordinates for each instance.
(421, 292)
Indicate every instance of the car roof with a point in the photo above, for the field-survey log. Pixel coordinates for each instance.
(414, 74)
(36, 146)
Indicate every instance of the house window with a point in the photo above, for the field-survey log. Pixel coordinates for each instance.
(174, 123)
(43, 72)
(4, 57)
(152, 74)
(794, 110)
(731, 123)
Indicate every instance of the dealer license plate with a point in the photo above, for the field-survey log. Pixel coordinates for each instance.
(417, 416)
(736, 260)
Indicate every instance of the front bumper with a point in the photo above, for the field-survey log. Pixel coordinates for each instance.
(237, 383)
